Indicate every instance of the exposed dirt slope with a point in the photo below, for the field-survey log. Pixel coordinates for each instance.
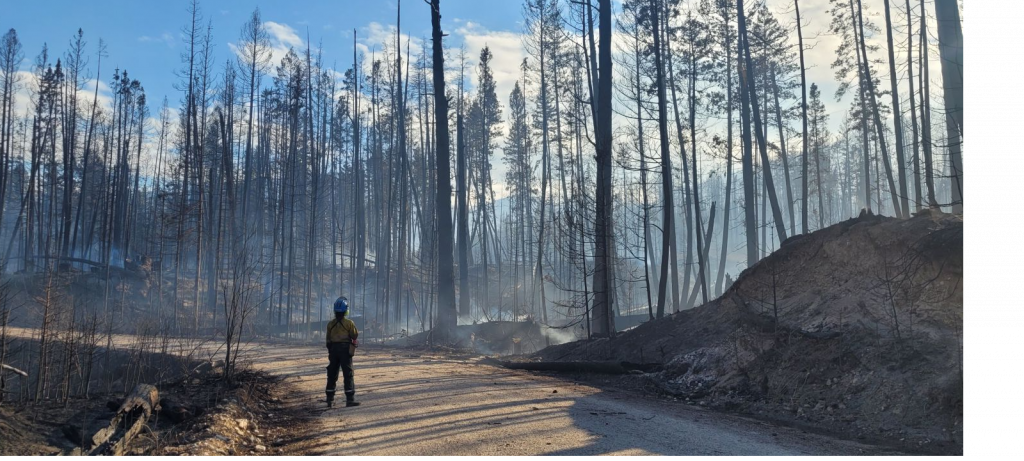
(855, 328)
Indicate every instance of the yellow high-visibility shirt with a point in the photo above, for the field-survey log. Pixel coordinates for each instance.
(341, 332)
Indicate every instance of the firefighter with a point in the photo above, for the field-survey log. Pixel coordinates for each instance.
(342, 340)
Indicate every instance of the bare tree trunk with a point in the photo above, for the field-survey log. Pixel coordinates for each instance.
(803, 118)
(257, 56)
(780, 225)
(875, 112)
(955, 164)
(701, 252)
(688, 213)
(791, 204)
(403, 167)
(951, 54)
(70, 131)
(545, 161)
(728, 153)
(43, 364)
(5, 313)
(485, 246)
(667, 191)
(913, 111)
(926, 118)
(747, 159)
(10, 61)
(862, 93)
(817, 172)
(314, 194)
(446, 319)
(463, 214)
(649, 256)
(705, 253)
(603, 319)
(359, 240)
(901, 165)
(543, 30)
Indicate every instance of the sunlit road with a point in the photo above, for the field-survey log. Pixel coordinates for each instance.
(433, 405)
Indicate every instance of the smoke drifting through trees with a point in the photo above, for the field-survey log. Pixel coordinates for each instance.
(273, 187)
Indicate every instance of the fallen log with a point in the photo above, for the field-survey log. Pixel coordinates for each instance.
(11, 369)
(609, 367)
(174, 411)
(128, 421)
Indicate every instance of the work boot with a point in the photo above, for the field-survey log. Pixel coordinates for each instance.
(330, 398)
(351, 403)
(350, 399)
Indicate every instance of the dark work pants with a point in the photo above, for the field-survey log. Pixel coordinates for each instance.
(339, 358)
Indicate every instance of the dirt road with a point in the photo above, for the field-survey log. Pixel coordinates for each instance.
(422, 404)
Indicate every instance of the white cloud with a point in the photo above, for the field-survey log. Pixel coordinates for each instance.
(104, 98)
(165, 38)
(508, 51)
(24, 95)
(375, 37)
(151, 145)
(282, 34)
(282, 38)
(384, 35)
(90, 86)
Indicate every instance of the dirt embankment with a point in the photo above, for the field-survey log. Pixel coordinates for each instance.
(855, 329)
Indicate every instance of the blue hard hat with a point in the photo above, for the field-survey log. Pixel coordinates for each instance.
(341, 305)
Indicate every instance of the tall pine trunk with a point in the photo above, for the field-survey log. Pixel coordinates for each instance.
(876, 115)
(926, 110)
(803, 118)
(897, 115)
(916, 160)
(780, 225)
(782, 150)
(699, 230)
(463, 214)
(603, 320)
(668, 242)
(446, 312)
(749, 210)
(687, 204)
(545, 162)
(951, 54)
(728, 155)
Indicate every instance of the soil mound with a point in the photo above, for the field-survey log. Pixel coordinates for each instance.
(855, 328)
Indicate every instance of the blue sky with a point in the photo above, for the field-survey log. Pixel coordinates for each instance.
(145, 38)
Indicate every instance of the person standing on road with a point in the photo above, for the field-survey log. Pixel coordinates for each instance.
(342, 340)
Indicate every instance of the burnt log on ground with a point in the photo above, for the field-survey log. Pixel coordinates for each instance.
(175, 411)
(4, 366)
(128, 421)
